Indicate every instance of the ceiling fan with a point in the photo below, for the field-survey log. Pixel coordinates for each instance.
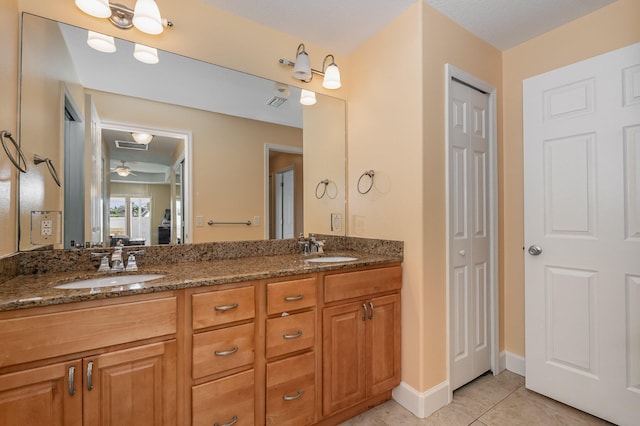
(123, 170)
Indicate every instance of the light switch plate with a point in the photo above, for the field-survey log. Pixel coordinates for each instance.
(336, 222)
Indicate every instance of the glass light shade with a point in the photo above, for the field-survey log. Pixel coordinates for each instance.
(302, 69)
(332, 77)
(307, 97)
(146, 54)
(101, 42)
(146, 17)
(97, 8)
(142, 138)
(123, 171)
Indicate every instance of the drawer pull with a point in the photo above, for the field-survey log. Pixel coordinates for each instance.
(364, 312)
(372, 310)
(71, 380)
(225, 353)
(233, 421)
(226, 307)
(293, 336)
(291, 398)
(90, 375)
(293, 298)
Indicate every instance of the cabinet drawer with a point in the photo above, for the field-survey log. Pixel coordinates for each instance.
(223, 400)
(362, 283)
(290, 333)
(37, 337)
(291, 391)
(222, 307)
(224, 349)
(291, 295)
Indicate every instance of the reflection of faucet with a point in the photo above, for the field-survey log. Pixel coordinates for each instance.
(304, 243)
(117, 265)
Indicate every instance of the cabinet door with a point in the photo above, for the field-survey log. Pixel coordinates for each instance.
(344, 339)
(50, 395)
(383, 344)
(131, 387)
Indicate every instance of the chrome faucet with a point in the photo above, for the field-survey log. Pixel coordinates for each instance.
(316, 246)
(117, 265)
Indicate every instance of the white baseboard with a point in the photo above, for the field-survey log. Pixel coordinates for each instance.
(512, 362)
(422, 404)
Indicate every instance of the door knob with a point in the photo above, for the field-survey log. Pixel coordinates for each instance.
(535, 250)
(462, 252)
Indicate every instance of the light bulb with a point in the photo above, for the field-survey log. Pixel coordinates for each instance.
(332, 77)
(142, 138)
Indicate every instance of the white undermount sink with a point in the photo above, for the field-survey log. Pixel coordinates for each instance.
(331, 259)
(111, 281)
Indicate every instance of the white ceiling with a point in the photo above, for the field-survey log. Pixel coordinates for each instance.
(343, 25)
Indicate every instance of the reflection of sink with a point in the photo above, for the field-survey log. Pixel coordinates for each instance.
(128, 280)
(331, 259)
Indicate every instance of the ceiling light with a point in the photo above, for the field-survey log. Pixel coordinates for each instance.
(331, 74)
(123, 170)
(146, 54)
(97, 8)
(307, 97)
(142, 138)
(101, 42)
(302, 69)
(145, 16)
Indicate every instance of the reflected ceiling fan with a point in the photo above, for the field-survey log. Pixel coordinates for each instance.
(123, 170)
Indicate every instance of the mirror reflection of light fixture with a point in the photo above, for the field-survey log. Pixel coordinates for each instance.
(123, 170)
(101, 42)
(146, 54)
(142, 138)
(145, 16)
(302, 69)
(307, 97)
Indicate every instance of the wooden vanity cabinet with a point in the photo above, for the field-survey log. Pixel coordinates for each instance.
(223, 347)
(130, 382)
(291, 351)
(361, 336)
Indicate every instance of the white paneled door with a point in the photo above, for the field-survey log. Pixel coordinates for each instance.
(469, 233)
(582, 234)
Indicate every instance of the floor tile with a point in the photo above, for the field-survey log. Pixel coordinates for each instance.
(479, 396)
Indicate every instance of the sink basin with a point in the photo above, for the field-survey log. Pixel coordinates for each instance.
(331, 259)
(112, 281)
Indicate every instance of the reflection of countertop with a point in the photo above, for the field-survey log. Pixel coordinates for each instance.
(31, 290)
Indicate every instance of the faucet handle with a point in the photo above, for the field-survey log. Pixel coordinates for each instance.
(132, 265)
(104, 264)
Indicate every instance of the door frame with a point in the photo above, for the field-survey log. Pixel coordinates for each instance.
(268, 147)
(469, 79)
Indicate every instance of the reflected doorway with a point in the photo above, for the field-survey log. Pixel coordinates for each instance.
(284, 194)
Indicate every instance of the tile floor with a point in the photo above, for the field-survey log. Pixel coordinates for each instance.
(487, 401)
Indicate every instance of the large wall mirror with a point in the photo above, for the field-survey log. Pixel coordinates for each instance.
(231, 157)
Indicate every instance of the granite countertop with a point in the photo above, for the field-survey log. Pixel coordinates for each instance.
(24, 291)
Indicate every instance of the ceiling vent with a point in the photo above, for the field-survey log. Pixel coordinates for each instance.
(131, 145)
(276, 101)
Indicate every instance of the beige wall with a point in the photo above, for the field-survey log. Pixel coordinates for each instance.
(609, 28)
(397, 128)
(9, 21)
(227, 159)
(47, 65)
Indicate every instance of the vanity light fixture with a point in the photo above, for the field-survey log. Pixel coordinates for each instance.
(307, 97)
(145, 16)
(302, 69)
(146, 54)
(142, 138)
(101, 42)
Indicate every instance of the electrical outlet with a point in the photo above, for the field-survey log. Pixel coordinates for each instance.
(199, 221)
(256, 221)
(336, 222)
(46, 227)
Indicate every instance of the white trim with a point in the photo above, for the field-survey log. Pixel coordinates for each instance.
(186, 135)
(422, 404)
(452, 71)
(515, 363)
(266, 220)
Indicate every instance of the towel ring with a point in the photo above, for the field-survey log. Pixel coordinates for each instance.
(20, 160)
(324, 191)
(54, 174)
(371, 174)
